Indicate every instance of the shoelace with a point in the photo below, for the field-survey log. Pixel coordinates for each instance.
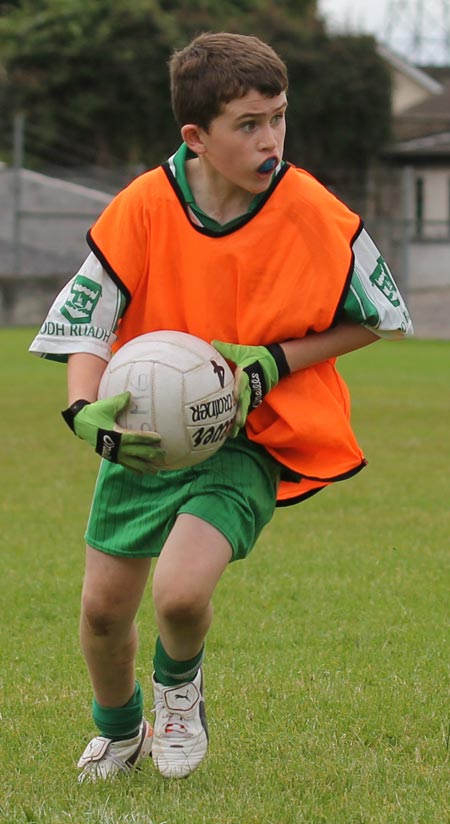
(176, 729)
(171, 727)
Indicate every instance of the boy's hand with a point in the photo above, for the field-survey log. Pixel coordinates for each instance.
(258, 370)
(96, 423)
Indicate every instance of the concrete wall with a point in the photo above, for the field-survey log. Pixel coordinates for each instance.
(429, 265)
(43, 225)
(43, 222)
(25, 299)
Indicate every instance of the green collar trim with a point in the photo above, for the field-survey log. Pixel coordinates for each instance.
(177, 166)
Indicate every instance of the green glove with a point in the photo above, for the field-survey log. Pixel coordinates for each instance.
(258, 370)
(96, 423)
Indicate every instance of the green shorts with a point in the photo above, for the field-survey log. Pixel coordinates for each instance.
(234, 490)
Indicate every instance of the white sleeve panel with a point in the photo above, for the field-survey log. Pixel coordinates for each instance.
(373, 286)
(83, 316)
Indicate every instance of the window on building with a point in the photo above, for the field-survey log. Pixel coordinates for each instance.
(419, 206)
(448, 212)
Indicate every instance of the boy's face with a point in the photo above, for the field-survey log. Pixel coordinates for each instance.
(248, 132)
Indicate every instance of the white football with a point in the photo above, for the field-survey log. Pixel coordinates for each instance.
(181, 387)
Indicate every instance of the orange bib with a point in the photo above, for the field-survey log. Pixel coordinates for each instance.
(281, 275)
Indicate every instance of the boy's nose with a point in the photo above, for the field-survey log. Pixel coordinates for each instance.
(267, 139)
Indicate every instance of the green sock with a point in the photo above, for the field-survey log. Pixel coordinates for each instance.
(169, 672)
(119, 723)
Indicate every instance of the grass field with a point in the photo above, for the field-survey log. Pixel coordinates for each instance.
(327, 670)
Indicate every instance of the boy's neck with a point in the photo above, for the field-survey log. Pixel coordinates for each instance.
(216, 197)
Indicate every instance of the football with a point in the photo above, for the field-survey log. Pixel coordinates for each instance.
(181, 387)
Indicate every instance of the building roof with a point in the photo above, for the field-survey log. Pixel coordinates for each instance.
(420, 76)
(437, 105)
(439, 73)
(433, 146)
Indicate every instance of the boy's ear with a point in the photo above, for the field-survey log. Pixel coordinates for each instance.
(193, 137)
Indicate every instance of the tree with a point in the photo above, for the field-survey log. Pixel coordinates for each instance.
(93, 81)
(340, 112)
(89, 77)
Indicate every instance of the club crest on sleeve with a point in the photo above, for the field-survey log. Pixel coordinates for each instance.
(84, 296)
(382, 279)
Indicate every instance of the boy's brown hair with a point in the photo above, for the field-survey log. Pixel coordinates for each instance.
(218, 67)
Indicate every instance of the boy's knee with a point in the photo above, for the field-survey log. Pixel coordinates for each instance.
(99, 615)
(178, 605)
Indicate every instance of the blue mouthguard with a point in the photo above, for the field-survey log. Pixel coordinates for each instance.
(268, 165)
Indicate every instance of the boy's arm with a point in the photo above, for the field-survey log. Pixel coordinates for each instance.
(84, 373)
(320, 346)
(94, 420)
(259, 368)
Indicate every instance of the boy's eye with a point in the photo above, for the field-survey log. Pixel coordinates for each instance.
(248, 126)
(277, 118)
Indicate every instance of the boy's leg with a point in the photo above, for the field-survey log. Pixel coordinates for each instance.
(188, 569)
(112, 591)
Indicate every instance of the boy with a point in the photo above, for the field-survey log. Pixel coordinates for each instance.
(228, 242)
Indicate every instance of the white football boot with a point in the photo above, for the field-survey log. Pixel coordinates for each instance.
(180, 734)
(104, 758)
